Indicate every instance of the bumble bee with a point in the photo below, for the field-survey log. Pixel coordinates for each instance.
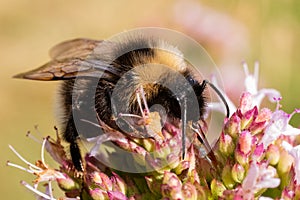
(100, 79)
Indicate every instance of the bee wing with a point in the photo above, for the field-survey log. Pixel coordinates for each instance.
(76, 48)
(71, 59)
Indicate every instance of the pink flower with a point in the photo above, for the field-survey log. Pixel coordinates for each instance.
(259, 176)
(278, 125)
(251, 85)
(295, 153)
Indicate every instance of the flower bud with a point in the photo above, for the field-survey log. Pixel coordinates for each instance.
(102, 180)
(273, 154)
(285, 162)
(260, 121)
(118, 183)
(233, 126)
(257, 127)
(226, 177)
(238, 173)
(189, 191)
(217, 189)
(98, 194)
(171, 186)
(248, 117)
(245, 142)
(241, 158)
(67, 183)
(258, 153)
(171, 179)
(226, 144)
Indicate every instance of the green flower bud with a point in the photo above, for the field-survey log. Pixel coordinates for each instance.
(67, 183)
(273, 154)
(241, 158)
(226, 144)
(227, 177)
(233, 126)
(285, 162)
(217, 189)
(238, 173)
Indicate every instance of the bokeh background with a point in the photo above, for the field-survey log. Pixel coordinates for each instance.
(230, 30)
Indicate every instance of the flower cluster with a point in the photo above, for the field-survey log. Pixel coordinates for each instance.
(257, 156)
(256, 149)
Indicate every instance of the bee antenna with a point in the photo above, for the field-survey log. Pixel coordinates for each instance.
(205, 82)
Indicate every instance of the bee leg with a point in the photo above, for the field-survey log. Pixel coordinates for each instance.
(71, 136)
(76, 156)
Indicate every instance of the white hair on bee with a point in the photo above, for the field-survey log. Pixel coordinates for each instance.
(171, 55)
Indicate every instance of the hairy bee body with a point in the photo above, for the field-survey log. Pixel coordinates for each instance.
(100, 80)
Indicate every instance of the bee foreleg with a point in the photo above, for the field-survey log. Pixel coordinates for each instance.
(71, 136)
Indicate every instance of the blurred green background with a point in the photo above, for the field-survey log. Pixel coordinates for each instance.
(230, 30)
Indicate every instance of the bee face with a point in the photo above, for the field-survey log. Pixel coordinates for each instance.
(100, 80)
